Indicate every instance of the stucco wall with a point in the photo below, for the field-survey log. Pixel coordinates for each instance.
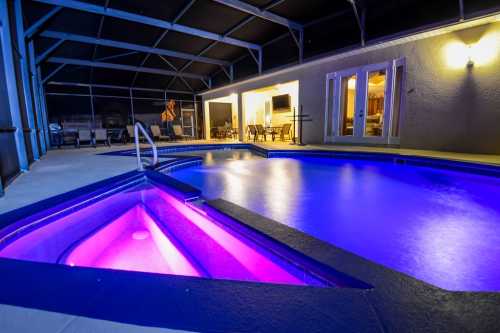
(453, 109)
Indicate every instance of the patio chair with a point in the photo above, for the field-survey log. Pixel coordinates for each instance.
(101, 135)
(285, 130)
(179, 132)
(252, 131)
(84, 135)
(157, 135)
(261, 131)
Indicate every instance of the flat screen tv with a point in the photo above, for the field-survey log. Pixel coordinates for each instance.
(281, 103)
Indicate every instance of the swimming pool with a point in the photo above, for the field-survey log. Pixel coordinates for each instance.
(438, 225)
(140, 225)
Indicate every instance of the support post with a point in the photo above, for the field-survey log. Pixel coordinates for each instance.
(461, 9)
(260, 60)
(132, 106)
(26, 78)
(241, 130)
(301, 46)
(195, 106)
(43, 101)
(36, 96)
(10, 80)
(92, 106)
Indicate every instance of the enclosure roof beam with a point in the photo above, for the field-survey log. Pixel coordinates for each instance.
(359, 19)
(123, 15)
(35, 27)
(130, 46)
(47, 52)
(261, 13)
(108, 86)
(80, 62)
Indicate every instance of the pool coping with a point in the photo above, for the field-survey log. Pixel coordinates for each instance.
(396, 303)
(477, 167)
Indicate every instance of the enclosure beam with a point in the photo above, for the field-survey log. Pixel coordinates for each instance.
(227, 33)
(111, 96)
(44, 107)
(35, 27)
(25, 78)
(131, 105)
(108, 86)
(123, 15)
(130, 46)
(36, 96)
(158, 41)
(98, 64)
(261, 13)
(359, 20)
(54, 72)
(116, 56)
(49, 51)
(99, 33)
(461, 9)
(10, 81)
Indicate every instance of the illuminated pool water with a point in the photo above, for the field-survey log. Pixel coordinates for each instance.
(144, 228)
(438, 225)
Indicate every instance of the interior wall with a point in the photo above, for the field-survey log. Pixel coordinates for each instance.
(446, 107)
(255, 103)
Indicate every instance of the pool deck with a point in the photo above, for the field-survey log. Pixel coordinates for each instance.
(398, 303)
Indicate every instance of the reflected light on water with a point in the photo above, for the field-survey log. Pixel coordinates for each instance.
(282, 180)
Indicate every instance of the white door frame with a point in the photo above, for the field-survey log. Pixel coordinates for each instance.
(333, 104)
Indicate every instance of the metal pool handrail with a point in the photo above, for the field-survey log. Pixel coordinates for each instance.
(138, 127)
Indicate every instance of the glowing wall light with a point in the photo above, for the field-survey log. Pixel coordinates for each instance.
(485, 51)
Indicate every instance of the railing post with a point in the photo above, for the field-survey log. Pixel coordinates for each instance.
(138, 127)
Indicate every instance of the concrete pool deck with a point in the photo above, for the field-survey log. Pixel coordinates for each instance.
(63, 170)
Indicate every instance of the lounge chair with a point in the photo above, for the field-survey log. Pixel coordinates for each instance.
(101, 135)
(179, 133)
(131, 134)
(84, 135)
(157, 135)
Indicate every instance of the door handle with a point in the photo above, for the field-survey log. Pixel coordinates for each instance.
(360, 113)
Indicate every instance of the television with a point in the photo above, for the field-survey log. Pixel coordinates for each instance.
(281, 103)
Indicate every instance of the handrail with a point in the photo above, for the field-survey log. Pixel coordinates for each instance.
(138, 127)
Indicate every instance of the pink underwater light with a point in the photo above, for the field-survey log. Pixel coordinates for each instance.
(120, 246)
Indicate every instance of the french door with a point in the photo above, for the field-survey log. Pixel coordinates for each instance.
(360, 104)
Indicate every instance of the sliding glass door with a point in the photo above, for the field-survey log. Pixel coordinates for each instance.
(360, 103)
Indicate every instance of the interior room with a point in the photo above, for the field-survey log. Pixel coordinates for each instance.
(221, 118)
(268, 112)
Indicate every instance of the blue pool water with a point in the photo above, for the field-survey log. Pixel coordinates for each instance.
(437, 225)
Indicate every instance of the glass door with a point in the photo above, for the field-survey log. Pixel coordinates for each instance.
(361, 104)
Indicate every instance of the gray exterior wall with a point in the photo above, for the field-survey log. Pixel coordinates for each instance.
(445, 109)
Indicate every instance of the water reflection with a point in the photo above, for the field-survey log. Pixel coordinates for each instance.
(437, 225)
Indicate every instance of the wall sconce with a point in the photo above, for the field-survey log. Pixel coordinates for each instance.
(485, 51)
(470, 60)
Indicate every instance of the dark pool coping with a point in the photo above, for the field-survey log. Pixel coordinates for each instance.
(396, 302)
